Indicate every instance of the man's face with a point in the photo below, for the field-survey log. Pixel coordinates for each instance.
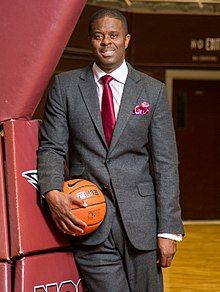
(108, 41)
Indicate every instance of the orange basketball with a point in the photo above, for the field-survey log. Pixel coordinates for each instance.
(94, 213)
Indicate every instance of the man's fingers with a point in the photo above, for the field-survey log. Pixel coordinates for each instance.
(68, 227)
(74, 220)
(165, 262)
(76, 200)
(60, 207)
(166, 249)
(73, 223)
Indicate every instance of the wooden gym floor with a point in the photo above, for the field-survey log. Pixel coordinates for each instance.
(196, 266)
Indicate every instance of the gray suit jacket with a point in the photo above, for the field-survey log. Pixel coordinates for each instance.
(147, 205)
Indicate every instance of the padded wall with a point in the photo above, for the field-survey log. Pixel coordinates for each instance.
(5, 277)
(4, 240)
(33, 36)
(55, 272)
(30, 229)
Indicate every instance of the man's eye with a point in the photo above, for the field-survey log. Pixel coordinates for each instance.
(97, 37)
(114, 36)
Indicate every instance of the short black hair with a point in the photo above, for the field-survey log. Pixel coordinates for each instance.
(108, 12)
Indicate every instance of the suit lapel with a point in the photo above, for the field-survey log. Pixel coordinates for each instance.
(131, 93)
(89, 93)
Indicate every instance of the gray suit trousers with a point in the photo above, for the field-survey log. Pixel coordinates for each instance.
(116, 266)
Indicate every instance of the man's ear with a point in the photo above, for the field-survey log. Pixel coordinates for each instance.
(127, 40)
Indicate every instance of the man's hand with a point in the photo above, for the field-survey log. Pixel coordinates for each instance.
(60, 207)
(167, 250)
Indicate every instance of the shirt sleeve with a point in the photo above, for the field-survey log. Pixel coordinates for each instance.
(176, 237)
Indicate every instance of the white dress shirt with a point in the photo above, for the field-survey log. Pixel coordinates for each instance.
(117, 84)
(117, 87)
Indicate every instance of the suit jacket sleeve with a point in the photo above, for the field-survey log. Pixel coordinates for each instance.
(53, 141)
(165, 162)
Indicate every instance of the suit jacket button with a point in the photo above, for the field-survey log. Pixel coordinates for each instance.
(108, 161)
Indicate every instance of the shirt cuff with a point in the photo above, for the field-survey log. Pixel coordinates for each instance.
(176, 237)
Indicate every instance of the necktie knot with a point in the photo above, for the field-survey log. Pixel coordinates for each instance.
(106, 79)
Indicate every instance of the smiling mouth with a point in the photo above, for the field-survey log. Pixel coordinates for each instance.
(107, 53)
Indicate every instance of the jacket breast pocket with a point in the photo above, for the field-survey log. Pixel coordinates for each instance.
(77, 170)
(140, 117)
(146, 189)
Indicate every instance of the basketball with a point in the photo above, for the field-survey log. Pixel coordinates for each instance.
(94, 213)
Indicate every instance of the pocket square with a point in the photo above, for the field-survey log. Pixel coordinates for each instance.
(142, 109)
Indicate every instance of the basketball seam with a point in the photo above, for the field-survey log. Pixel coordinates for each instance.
(80, 188)
(89, 205)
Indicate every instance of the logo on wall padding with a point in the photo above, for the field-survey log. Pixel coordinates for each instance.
(32, 177)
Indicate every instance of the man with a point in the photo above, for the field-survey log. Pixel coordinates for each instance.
(143, 222)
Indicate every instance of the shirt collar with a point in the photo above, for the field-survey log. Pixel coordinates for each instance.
(120, 74)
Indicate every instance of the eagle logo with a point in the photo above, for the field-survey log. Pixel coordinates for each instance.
(32, 177)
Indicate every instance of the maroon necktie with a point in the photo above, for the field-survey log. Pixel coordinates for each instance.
(107, 111)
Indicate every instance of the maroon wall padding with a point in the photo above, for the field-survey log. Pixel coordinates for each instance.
(5, 277)
(4, 240)
(30, 230)
(55, 272)
(33, 36)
